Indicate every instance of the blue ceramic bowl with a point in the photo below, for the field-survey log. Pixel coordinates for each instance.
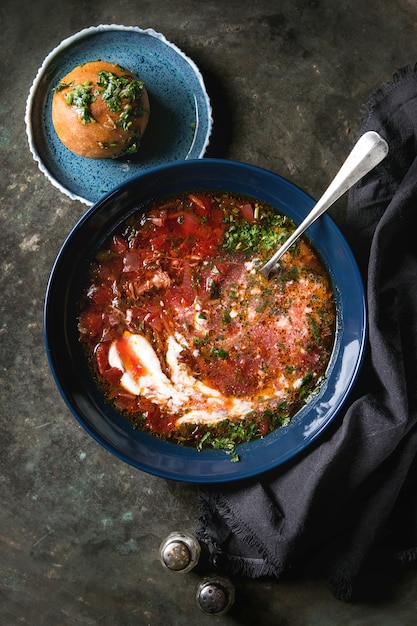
(78, 386)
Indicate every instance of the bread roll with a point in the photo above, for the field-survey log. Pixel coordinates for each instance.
(100, 110)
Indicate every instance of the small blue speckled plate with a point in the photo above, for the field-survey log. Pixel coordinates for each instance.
(180, 122)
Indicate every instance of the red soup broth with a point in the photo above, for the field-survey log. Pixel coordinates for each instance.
(184, 335)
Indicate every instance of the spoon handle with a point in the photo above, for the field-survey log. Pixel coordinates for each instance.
(369, 150)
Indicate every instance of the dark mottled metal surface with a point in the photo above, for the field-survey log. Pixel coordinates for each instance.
(79, 530)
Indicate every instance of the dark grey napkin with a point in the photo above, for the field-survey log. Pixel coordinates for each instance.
(347, 507)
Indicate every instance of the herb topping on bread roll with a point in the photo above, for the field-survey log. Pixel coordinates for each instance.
(100, 110)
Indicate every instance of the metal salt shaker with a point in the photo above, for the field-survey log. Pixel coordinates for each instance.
(215, 594)
(179, 552)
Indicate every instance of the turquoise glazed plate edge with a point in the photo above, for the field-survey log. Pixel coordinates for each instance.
(180, 123)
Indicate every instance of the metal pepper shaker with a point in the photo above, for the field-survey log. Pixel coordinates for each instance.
(179, 552)
(215, 594)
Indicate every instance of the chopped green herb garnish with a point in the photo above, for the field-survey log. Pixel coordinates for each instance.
(62, 86)
(133, 144)
(81, 97)
(199, 341)
(234, 434)
(107, 144)
(226, 319)
(219, 352)
(115, 89)
(119, 92)
(315, 329)
(265, 233)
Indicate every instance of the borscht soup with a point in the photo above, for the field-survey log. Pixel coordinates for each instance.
(185, 337)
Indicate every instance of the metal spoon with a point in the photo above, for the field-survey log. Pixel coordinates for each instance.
(368, 151)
